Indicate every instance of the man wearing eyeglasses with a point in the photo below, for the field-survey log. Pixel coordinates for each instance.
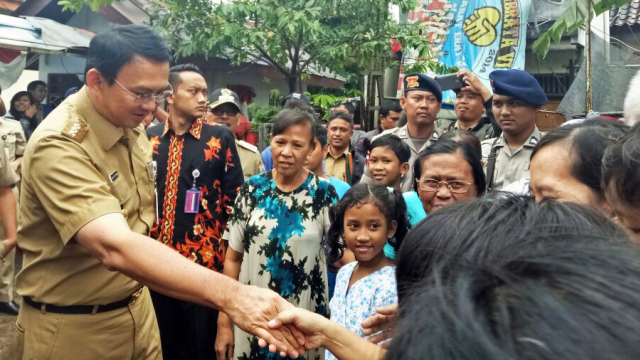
(225, 109)
(421, 102)
(88, 207)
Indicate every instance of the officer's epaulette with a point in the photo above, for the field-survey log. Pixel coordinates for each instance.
(248, 146)
(76, 129)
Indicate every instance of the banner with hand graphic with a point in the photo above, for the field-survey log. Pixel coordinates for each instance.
(481, 35)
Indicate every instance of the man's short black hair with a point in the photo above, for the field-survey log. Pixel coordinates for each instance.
(34, 85)
(402, 150)
(390, 106)
(111, 50)
(174, 73)
(321, 135)
(349, 106)
(342, 116)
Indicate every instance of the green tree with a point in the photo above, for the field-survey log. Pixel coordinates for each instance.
(291, 35)
(575, 16)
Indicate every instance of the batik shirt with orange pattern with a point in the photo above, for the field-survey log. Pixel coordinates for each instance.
(212, 151)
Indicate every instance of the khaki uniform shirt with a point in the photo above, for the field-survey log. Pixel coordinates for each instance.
(13, 137)
(511, 165)
(7, 178)
(77, 167)
(250, 159)
(403, 133)
(336, 166)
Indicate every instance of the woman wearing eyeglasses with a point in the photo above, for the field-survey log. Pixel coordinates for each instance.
(445, 172)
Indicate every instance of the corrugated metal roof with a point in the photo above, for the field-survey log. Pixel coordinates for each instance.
(626, 15)
(42, 35)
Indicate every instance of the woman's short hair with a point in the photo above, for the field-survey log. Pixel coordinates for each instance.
(289, 117)
(450, 146)
(565, 299)
(465, 137)
(480, 231)
(621, 168)
(588, 141)
(12, 107)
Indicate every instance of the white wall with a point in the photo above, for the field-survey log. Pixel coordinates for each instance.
(26, 77)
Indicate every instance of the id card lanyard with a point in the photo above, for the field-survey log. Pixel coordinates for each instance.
(192, 199)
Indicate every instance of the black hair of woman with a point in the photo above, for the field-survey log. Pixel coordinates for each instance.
(451, 146)
(481, 231)
(389, 201)
(567, 298)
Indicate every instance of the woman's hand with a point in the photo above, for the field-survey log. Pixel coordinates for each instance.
(224, 339)
(310, 324)
(385, 320)
(31, 110)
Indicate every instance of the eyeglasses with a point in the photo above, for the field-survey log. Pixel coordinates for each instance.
(433, 185)
(221, 110)
(158, 98)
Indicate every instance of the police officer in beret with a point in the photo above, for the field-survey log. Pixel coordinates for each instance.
(517, 96)
(224, 105)
(421, 102)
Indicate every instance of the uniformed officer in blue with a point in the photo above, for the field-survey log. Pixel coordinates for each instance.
(517, 96)
(421, 102)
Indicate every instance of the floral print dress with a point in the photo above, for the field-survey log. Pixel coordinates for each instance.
(280, 235)
(351, 306)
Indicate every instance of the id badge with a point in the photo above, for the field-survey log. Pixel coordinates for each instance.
(192, 201)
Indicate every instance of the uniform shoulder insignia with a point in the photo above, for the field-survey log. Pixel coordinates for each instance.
(248, 146)
(76, 129)
(533, 141)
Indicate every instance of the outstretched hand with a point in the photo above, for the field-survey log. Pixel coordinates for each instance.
(384, 322)
(254, 308)
(307, 322)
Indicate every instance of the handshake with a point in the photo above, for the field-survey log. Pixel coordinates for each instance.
(292, 331)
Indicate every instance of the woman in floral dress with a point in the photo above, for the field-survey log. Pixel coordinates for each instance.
(275, 234)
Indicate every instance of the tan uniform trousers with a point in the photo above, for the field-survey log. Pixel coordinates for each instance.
(127, 333)
(7, 263)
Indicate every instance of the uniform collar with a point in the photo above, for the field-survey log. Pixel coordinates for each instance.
(531, 141)
(107, 133)
(483, 121)
(195, 130)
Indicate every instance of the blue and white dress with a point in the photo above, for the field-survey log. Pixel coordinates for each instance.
(350, 307)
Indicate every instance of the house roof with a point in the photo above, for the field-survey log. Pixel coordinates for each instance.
(42, 36)
(629, 14)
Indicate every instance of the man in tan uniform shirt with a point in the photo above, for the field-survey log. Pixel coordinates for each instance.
(87, 207)
(8, 220)
(15, 142)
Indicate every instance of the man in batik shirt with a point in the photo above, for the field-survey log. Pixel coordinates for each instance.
(198, 177)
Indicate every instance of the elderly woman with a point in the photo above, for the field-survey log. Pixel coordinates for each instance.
(621, 181)
(275, 232)
(22, 108)
(567, 162)
(448, 171)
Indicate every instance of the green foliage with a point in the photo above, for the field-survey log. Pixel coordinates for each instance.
(575, 16)
(262, 114)
(291, 35)
(429, 65)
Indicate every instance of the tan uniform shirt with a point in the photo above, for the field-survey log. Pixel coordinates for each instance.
(511, 165)
(250, 159)
(403, 133)
(13, 137)
(7, 178)
(336, 166)
(77, 167)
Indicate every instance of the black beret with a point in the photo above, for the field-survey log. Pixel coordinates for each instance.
(518, 84)
(296, 96)
(422, 82)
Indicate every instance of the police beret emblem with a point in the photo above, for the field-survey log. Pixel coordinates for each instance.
(412, 82)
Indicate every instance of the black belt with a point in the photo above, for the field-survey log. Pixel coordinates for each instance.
(83, 309)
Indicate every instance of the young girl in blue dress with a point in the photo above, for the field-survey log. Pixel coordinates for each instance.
(370, 221)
